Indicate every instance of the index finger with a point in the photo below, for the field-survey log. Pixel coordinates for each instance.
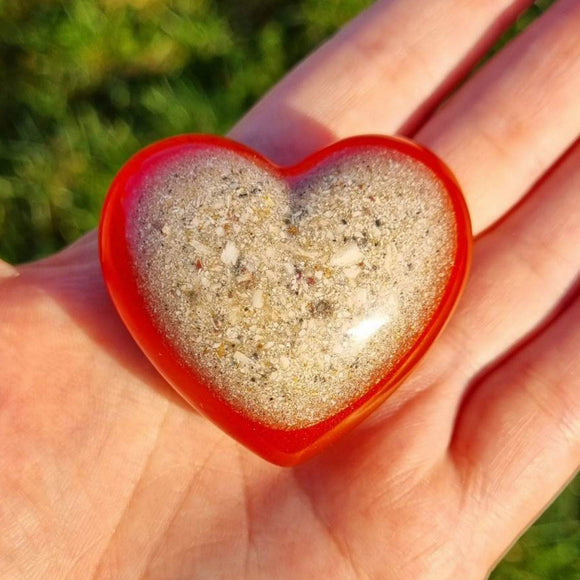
(381, 74)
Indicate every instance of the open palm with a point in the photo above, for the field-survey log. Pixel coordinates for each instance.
(105, 473)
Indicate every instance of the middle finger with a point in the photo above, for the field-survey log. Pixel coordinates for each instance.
(509, 123)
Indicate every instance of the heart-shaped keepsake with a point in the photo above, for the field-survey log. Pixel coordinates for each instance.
(284, 303)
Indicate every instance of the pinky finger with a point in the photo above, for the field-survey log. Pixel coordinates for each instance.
(517, 439)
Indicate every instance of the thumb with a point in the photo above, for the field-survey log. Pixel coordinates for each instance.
(7, 271)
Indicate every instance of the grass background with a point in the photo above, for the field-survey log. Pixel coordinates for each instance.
(85, 83)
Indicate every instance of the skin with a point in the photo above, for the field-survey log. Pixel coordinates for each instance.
(105, 473)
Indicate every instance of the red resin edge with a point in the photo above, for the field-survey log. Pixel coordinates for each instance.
(283, 447)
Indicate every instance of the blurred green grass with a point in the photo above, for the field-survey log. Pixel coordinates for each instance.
(85, 83)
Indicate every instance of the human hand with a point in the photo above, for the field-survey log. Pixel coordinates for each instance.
(104, 472)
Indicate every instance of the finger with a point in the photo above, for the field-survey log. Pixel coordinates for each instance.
(507, 125)
(517, 441)
(381, 72)
(521, 270)
(7, 271)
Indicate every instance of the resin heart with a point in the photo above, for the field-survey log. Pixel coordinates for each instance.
(284, 303)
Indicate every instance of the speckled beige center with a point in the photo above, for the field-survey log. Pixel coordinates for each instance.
(293, 302)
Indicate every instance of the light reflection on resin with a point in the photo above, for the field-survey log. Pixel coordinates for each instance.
(366, 328)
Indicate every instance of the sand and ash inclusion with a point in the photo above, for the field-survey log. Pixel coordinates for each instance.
(293, 302)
